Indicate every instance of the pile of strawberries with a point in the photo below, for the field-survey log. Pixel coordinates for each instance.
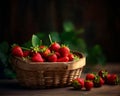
(42, 53)
(95, 80)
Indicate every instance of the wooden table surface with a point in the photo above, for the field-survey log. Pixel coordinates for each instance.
(12, 88)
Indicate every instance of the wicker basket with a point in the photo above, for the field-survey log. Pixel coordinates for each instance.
(47, 74)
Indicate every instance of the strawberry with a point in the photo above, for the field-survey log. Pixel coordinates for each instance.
(63, 59)
(98, 81)
(52, 57)
(54, 46)
(26, 53)
(58, 54)
(71, 57)
(88, 85)
(90, 76)
(37, 58)
(17, 51)
(44, 51)
(64, 51)
(81, 81)
(42, 46)
(103, 74)
(113, 79)
(78, 83)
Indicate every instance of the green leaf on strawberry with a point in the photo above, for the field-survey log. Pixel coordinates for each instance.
(98, 81)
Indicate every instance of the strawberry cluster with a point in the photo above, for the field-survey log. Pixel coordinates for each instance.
(96, 80)
(55, 52)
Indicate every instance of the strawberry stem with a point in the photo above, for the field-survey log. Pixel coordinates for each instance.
(50, 39)
(41, 42)
(25, 48)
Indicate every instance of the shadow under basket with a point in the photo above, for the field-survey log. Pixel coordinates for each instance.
(47, 74)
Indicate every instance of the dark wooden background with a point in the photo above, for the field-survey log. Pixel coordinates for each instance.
(19, 19)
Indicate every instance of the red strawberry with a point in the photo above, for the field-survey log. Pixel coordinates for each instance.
(37, 58)
(26, 53)
(52, 57)
(63, 59)
(64, 51)
(88, 85)
(90, 76)
(44, 51)
(81, 81)
(17, 51)
(103, 74)
(78, 83)
(54, 46)
(98, 81)
(71, 57)
(58, 54)
(113, 79)
(42, 46)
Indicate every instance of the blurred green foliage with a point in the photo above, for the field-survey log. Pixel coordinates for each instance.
(5, 68)
(70, 37)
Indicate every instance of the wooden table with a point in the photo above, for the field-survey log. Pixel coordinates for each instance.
(12, 88)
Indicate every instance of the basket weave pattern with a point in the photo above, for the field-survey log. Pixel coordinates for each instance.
(47, 74)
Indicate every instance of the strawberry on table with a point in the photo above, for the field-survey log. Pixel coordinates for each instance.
(103, 73)
(90, 76)
(17, 51)
(98, 81)
(113, 79)
(37, 58)
(78, 83)
(88, 85)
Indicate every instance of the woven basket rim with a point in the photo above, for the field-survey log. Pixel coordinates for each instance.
(28, 65)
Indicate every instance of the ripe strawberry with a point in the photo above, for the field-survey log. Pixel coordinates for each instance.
(90, 76)
(58, 54)
(71, 57)
(64, 51)
(63, 59)
(52, 57)
(44, 51)
(78, 83)
(54, 46)
(26, 53)
(113, 79)
(17, 51)
(103, 74)
(88, 85)
(98, 81)
(81, 81)
(37, 58)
